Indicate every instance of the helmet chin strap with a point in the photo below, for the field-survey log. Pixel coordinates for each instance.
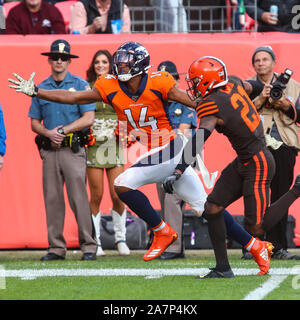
(209, 87)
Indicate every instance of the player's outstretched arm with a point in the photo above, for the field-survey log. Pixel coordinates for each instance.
(182, 97)
(69, 97)
(29, 88)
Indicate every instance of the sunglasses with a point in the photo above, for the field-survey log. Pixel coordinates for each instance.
(56, 58)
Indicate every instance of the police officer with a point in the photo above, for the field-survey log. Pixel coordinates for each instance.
(64, 158)
(185, 119)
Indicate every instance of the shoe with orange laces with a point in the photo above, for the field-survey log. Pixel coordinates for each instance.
(262, 251)
(162, 239)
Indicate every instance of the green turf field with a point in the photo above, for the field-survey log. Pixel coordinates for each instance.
(24, 277)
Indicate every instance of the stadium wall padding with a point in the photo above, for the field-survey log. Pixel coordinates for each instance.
(22, 211)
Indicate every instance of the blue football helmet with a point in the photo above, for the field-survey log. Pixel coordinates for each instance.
(132, 55)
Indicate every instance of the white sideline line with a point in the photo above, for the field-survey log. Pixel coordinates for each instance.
(278, 275)
(34, 273)
(271, 284)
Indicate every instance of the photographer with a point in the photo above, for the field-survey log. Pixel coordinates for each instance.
(275, 97)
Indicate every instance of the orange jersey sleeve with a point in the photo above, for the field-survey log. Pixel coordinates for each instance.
(163, 81)
(105, 85)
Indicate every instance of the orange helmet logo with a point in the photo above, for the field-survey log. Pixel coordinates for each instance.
(204, 75)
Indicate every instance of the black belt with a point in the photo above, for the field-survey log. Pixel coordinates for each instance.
(73, 140)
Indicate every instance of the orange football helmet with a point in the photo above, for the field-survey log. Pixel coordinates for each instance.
(205, 74)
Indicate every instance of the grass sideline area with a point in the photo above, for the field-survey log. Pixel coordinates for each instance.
(112, 277)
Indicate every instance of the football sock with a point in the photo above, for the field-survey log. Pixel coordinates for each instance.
(249, 245)
(278, 209)
(159, 227)
(217, 234)
(235, 231)
(140, 205)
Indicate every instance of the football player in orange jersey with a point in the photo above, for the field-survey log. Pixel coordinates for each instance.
(140, 99)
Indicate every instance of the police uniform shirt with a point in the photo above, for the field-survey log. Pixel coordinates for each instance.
(182, 114)
(54, 114)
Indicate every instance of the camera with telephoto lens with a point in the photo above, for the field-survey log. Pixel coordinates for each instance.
(280, 84)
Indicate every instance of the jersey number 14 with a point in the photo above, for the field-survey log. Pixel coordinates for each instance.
(142, 122)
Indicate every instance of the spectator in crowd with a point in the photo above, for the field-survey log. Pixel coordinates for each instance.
(101, 160)
(280, 119)
(172, 15)
(185, 119)
(268, 21)
(2, 139)
(61, 131)
(99, 16)
(35, 17)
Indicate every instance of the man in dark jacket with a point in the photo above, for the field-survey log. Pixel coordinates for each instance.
(268, 21)
(35, 17)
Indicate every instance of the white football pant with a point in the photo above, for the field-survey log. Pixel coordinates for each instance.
(159, 163)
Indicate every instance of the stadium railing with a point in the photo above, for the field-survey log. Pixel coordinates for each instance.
(190, 18)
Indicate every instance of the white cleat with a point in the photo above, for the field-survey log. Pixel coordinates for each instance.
(123, 248)
(100, 251)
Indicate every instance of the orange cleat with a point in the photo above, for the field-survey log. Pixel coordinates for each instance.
(262, 251)
(162, 239)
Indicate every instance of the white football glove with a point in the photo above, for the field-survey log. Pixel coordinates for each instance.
(25, 86)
